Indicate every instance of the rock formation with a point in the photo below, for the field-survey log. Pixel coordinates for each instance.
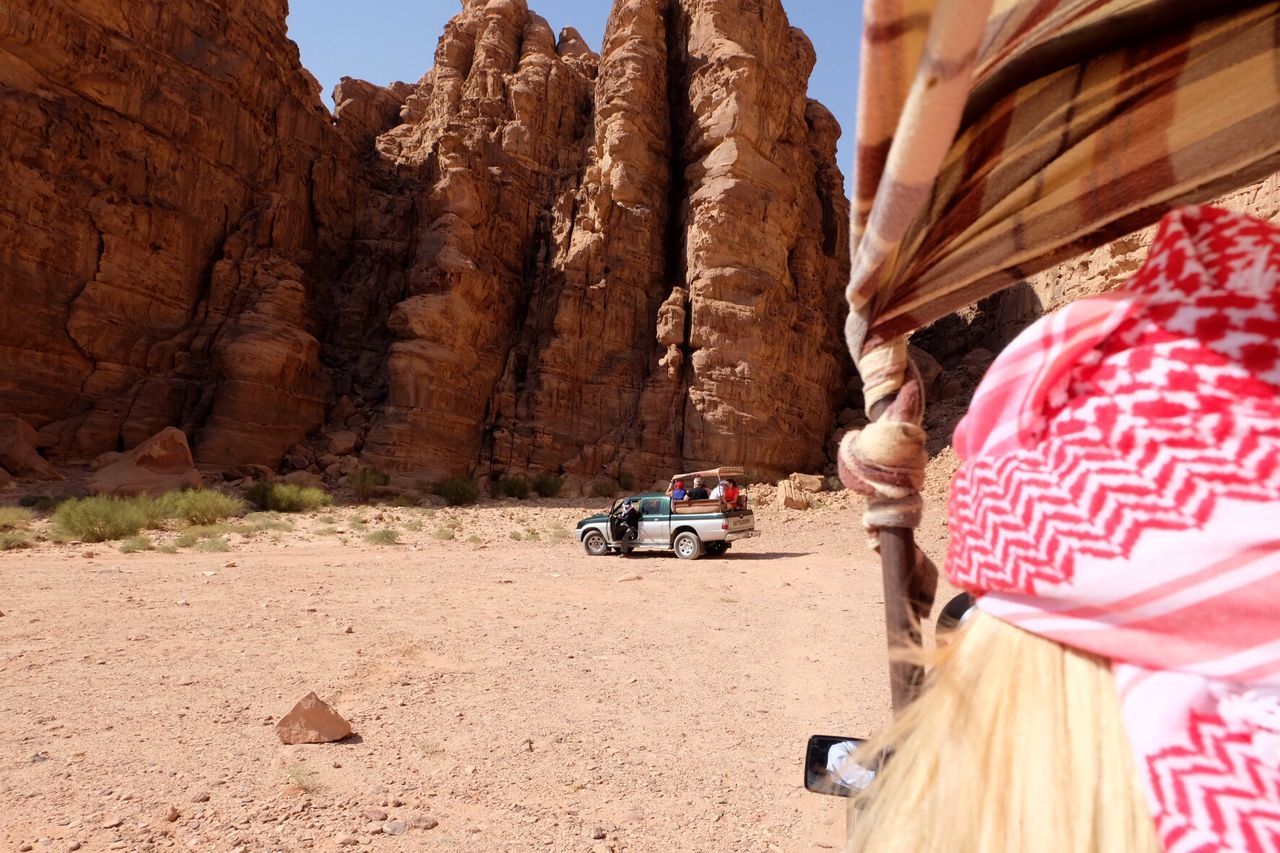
(533, 259)
(160, 464)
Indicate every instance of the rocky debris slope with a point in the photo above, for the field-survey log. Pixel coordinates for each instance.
(533, 259)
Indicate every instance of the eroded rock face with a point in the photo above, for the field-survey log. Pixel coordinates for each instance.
(533, 259)
(160, 164)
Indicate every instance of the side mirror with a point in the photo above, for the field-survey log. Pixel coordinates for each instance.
(829, 767)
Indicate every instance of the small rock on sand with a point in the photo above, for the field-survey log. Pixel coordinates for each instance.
(393, 827)
(312, 721)
(423, 821)
(377, 815)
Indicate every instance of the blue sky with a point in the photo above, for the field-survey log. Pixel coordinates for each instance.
(387, 40)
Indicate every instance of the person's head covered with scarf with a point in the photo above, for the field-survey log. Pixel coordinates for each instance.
(1118, 513)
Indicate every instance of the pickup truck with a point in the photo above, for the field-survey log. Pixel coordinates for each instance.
(690, 528)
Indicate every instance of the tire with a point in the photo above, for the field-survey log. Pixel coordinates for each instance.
(715, 549)
(594, 543)
(687, 545)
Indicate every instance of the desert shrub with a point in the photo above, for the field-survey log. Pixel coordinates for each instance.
(100, 519)
(136, 543)
(513, 486)
(407, 500)
(366, 482)
(328, 531)
(605, 488)
(286, 497)
(444, 534)
(834, 484)
(168, 549)
(386, 536)
(40, 503)
(13, 540)
(201, 506)
(195, 535)
(626, 481)
(474, 539)
(256, 522)
(516, 535)
(414, 526)
(548, 485)
(532, 535)
(15, 517)
(559, 534)
(457, 491)
(216, 544)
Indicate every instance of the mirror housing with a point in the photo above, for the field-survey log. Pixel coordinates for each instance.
(829, 767)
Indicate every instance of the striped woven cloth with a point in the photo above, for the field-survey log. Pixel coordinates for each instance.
(996, 139)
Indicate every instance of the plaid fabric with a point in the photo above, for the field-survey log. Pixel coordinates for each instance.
(998, 138)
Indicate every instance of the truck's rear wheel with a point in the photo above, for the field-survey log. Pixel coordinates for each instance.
(688, 546)
(715, 549)
(595, 544)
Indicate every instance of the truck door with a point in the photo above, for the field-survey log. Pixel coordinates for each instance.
(655, 521)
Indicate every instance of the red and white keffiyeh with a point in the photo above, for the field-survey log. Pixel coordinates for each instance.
(1121, 495)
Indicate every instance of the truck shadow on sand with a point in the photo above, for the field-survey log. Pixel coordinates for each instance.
(730, 557)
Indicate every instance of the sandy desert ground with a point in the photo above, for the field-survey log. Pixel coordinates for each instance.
(506, 694)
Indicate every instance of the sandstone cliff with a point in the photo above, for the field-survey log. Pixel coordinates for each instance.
(535, 258)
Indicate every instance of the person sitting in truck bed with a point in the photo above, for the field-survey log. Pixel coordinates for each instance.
(677, 492)
(729, 492)
(698, 492)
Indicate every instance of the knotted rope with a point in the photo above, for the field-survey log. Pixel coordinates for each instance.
(885, 461)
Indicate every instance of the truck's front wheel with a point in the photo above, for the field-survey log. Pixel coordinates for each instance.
(595, 544)
(688, 546)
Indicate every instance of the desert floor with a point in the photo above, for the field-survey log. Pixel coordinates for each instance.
(515, 693)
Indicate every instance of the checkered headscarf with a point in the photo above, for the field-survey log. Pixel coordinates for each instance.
(1121, 495)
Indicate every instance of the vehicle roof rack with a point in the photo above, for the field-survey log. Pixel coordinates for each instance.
(718, 473)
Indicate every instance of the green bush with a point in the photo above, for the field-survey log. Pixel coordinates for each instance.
(201, 506)
(136, 543)
(256, 522)
(366, 482)
(99, 518)
(513, 486)
(516, 535)
(444, 534)
(15, 517)
(605, 488)
(197, 535)
(386, 536)
(548, 485)
(13, 540)
(458, 491)
(216, 544)
(286, 497)
(40, 503)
